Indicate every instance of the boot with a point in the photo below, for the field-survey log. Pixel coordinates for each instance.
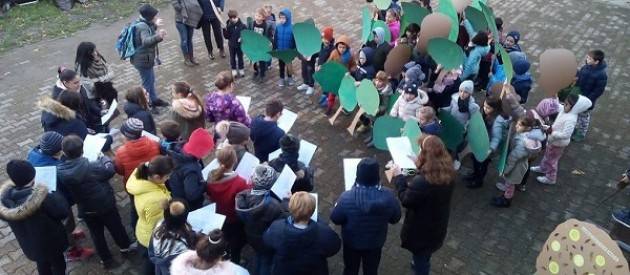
(222, 53)
(241, 73)
(192, 59)
(234, 73)
(501, 202)
(187, 61)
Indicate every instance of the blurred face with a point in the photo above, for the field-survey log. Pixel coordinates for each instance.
(379, 84)
(95, 53)
(487, 109)
(362, 58)
(259, 18)
(234, 19)
(567, 106)
(422, 119)
(173, 93)
(509, 41)
(409, 97)
(341, 47)
(463, 95)
(591, 61)
(326, 42)
(268, 9)
(390, 17)
(73, 85)
(521, 128)
(282, 19)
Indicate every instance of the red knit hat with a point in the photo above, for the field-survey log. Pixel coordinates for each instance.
(200, 144)
(327, 33)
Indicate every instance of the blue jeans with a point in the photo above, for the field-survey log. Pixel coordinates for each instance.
(263, 264)
(185, 37)
(422, 264)
(148, 81)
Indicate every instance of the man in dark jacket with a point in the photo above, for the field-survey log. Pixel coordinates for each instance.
(88, 184)
(35, 216)
(146, 40)
(265, 133)
(210, 22)
(363, 213)
(592, 80)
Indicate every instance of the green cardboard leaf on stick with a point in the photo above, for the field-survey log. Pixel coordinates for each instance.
(348, 93)
(307, 38)
(286, 56)
(507, 62)
(447, 8)
(330, 75)
(412, 132)
(452, 131)
(381, 24)
(487, 12)
(476, 18)
(255, 46)
(392, 101)
(478, 137)
(412, 13)
(367, 97)
(446, 52)
(366, 24)
(505, 148)
(384, 127)
(382, 4)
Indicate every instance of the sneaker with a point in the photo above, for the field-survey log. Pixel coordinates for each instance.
(545, 180)
(222, 53)
(234, 73)
(290, 81)
(362, 129)
(521, 188)
(241, 73)
(457, 164)
(501, 186)
(310, 91)
(501, 202)
(282, 82)
(536, 169)
(160, 103)
(302, 87)
(622, 216)
(211, 56)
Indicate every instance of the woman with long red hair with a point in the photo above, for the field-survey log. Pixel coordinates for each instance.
(427, 198)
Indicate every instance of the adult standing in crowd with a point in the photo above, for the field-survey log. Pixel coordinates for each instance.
(210, 22)
(427, 198)
(146, 39)
(187, 17)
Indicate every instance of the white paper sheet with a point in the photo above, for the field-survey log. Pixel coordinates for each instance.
(206, 219)
(284, 183)
(314, 216)
(110, 112)
(246, 101)
(46, 175)
(401, 151)
(92, 146)
(247, 165)
(287, 119)
(307, 151)
(214, 164)
(350, 171)
(150, 136)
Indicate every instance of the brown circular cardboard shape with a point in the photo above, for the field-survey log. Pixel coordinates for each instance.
(460, 5)
(396, 59)
(433, 25)
(557, 70)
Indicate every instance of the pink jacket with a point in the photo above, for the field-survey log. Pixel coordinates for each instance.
(183, 265)
(394, 29)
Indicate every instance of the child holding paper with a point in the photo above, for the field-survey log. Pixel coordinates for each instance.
(147, 185)
(138, 107)
(290, 146)
(283, 40)
(186, 182)
(364, 213)
(221, 104)
(223, 185)
(265, 132)
(136, 148)
(187, 109)
(60, 115)
(88, 183)
(266, 29)
(48, 152)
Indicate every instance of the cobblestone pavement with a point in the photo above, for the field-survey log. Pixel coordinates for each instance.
(481, 239)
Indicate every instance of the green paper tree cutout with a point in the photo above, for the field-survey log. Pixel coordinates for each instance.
(367, 97)
(447, 8)
(505, 148)
(307, 38)
(478, 137)
(452, 131)
(507, 62)
(382, 4)
(477, 19)
(382, 24)
(366, 24)
(487, 12)
(285, 55)
(348, 93)
(255, 46)
(330, 75)
(412, 132)
(384, 127)
(392, 101)
(446, 52)
(412, 13)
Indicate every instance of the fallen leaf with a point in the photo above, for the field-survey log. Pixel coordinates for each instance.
(577, 172)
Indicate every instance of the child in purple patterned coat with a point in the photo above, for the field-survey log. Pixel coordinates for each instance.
(222, 104)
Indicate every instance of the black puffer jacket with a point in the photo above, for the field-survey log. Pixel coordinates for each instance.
(257, 211)
(186, 181)
(61, 119)
(89, 109)
(35, 217)
(88, 183)
(232, 32)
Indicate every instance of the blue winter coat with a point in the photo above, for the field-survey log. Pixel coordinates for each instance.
(471, 64)
(364, 213)
(283, 38)
(186, 181)
(266, 137)
(301, 251)
(433, 128)
(522, 85)
(39, 159)
(592, 81)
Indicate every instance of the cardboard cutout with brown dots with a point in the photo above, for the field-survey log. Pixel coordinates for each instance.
(577, 247)
(396, 59)
(557, 70)
(433, 25)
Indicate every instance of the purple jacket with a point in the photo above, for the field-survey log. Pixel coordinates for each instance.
(225, 107)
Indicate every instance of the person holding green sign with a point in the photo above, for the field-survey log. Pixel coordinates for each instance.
(264, 28)
(428, 121)
(342, 54)
(381, 48)
(283, 40)
(328, 45)
(478, 48)
(385, 91)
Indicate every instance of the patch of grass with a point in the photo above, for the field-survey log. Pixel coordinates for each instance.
(42, 21)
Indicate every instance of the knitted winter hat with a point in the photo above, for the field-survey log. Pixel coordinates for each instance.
(467, 86)
(21, 172)
(264, 177)
(200, 144)
(132, 128)
(50, 143)
(147, 11)
(368, 172)
(327, 33)
(238, 133)
(415, 74)
(290, 144)
(411, 88)
(521, 66)
(547, 107)
(516, 35)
